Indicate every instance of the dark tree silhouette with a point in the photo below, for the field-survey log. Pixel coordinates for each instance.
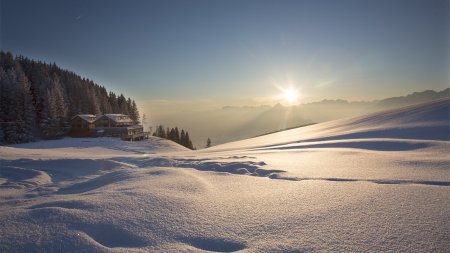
(174, 135)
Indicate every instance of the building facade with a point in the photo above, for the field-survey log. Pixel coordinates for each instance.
(115, 125)
(82, 125)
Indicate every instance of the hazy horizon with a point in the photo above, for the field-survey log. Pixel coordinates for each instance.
(210, 104)
(204, 119)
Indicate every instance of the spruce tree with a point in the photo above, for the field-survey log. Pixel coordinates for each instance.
(27, 110)
(176, 135)
(172, 135)
(122, 104)
(188, 143)
(11, 96)
(112, 98)
(134, 112)
(182, 138)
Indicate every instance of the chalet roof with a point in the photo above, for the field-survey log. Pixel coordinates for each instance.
(86, 117)
(119, 117)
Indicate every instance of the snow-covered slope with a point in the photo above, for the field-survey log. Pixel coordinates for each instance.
(429, 121)
(375, 183)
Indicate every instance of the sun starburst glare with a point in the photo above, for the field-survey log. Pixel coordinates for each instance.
(288, 91)
(290, 95)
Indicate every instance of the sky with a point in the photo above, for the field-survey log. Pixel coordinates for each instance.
(238, 52)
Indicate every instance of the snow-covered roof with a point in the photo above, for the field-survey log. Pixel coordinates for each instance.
(87, 117)
(119, 117)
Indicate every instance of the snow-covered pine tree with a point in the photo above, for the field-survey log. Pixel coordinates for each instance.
(11, 107)
(48, 124)
(27, 114)
(18, 113)
(55, 122)
(102, 96)
(94, 103)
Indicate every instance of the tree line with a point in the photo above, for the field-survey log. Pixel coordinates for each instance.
(174, 135)
(38, 99)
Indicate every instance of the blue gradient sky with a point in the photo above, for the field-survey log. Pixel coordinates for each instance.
(238, 50)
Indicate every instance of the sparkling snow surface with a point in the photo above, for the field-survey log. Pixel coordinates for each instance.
(375, 183)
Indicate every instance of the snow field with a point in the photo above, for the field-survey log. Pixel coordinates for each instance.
(377, 183)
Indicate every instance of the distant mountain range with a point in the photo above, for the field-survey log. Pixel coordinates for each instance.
(232, 123)
(415, 98)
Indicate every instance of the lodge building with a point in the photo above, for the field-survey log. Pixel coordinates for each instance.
(115, 125)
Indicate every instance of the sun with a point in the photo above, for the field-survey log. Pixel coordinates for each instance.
(290, 95)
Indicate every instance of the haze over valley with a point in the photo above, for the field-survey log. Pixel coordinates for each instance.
(230, 123)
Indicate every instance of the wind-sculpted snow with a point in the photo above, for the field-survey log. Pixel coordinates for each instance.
(378, 183)
(243, 167)
(260, 169)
